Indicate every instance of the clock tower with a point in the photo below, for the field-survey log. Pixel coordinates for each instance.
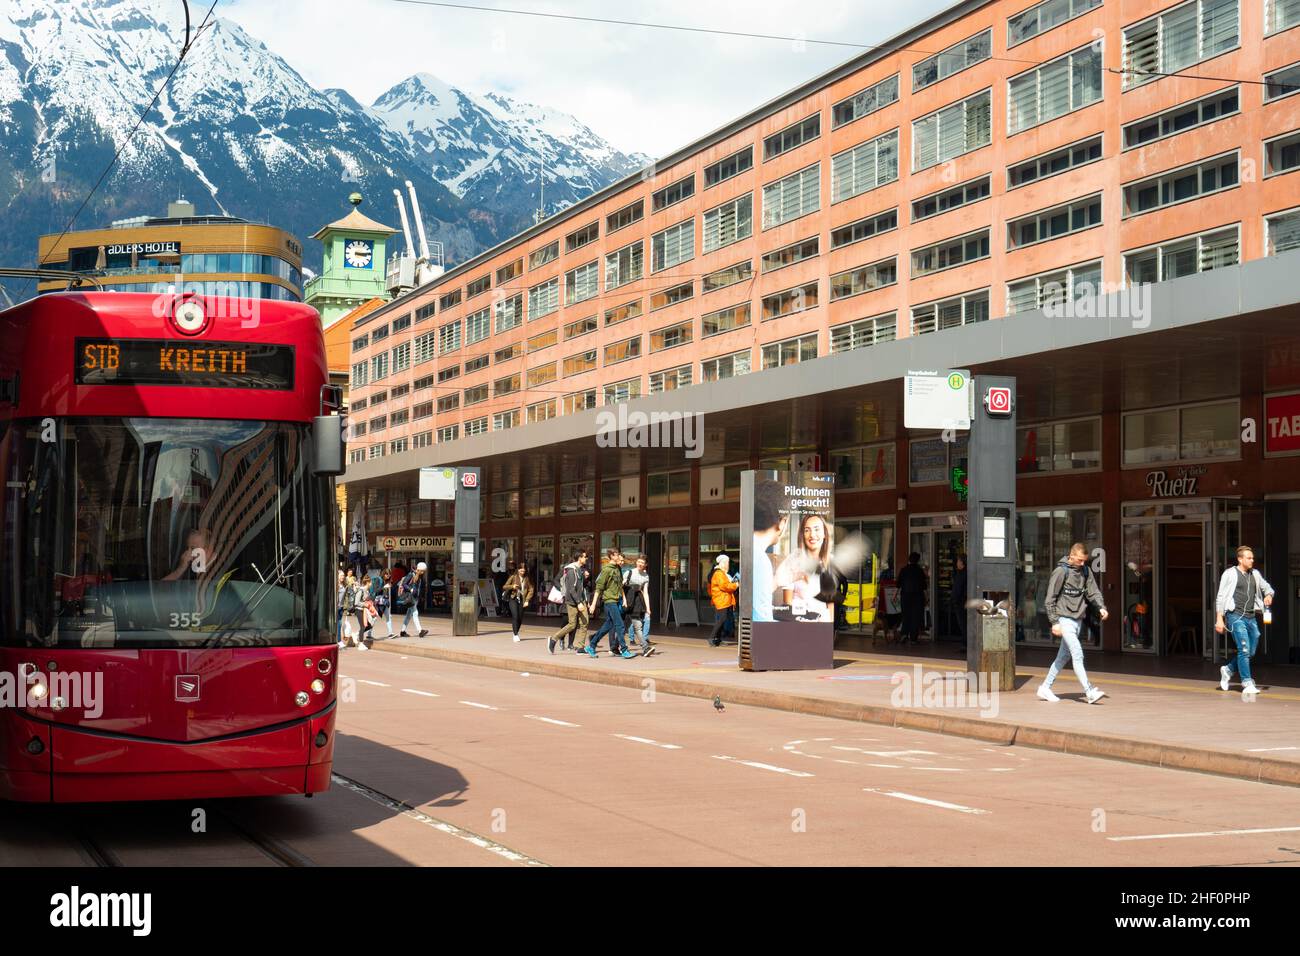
(354, 262)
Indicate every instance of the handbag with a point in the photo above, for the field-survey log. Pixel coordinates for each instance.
(556, 596)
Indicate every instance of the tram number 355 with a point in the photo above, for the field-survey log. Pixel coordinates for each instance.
(185, 620)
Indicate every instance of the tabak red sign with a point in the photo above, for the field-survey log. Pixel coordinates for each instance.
(1282, 423)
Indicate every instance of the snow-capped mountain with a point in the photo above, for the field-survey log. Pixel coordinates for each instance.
(239, 131)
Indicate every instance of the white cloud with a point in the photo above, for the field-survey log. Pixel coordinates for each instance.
(644, 89)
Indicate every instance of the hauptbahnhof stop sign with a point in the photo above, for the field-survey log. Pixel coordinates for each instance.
(938, 398)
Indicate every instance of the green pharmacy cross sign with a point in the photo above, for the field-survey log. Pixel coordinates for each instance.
(959, 482)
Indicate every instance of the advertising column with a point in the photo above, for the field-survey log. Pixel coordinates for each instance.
(787, 595)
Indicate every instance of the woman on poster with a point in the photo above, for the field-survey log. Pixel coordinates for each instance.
(805, 576)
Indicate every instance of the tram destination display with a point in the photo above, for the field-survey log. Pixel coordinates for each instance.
(256, 365)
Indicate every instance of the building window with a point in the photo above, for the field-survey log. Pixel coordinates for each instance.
(1058, 447)
(359, 343)
(625, 265)
(426, 311)
(1042, 17)
(548, 253)
(1282, 155)
(449, 337)
(725, 366)
(544, 299)
(931, 459)
(789, 255)
(790, 301)
(448, 403)
(378, 367)
(728, 167)
(1055, 222)
(378, 423)
(1181, 118)
(622, 351)
(1177, 38)
(577, 497)
(1281, 15)
(376, 451)
(864, 167)
(673, 296)
(424, 347)
(476, 363)
(940, 202)
(1190, 433)
(1053, 163)
(378, 398)
(448, 433)
(359, 374)
(867, 278)
(478, 326)
(1282, 232)
(379, 333)
(864, 332)
(791, 351)
(396, 447)
(864, 228)
(422, 410)
(953, 60)
(670, 379)
(509, 312)
(357, 404)
(476, 426)
(541, 375)
(950, 253)
(873, 98)
(359, 430)
(673, 246)
(1068, 83)
(865, 467)
(793, 196)
(587, 234)
(356, 456)
(623, 391)
(582, 362)
(506, 385)
(580, 401)
(479, 393)
(670, 337)
(805, 131)
(1183, 257)
(580, 327)
(621, 313)
(633, 212)
(951, 131)
(724, 320)
(402, 324)
(444, 302)
(478, 286)
(668, 488)
(1054, 289)
(950, 313)
(728, 223)
(541, 411)
(728, 276)
(422, 440)
(401, 357)
(543, 341)
(504, 420)
(582, 283)
(1281, 83)
(426, 381)
(672, 194)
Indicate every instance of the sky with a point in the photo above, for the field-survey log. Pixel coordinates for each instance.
(644, 90)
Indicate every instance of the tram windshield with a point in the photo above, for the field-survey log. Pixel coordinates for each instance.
(155, 532)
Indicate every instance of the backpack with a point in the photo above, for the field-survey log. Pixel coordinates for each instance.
(404, 587)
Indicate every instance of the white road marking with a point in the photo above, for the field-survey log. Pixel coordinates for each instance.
(887, 766)
(941, 769)
(441, 825)
(1261, 750)
(1207, 833)
(422, 693)
(551, 720)
(887, 753)
(470, 703)
(1001, 769)
(763, 766)
(647, 740)
(925, 800)
(372, 683)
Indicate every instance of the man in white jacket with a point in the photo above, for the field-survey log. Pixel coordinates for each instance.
(1243, 592)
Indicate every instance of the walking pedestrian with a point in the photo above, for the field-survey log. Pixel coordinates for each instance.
(409, 593)
(1070, 590)
(1242, 594)
(339, 613)
(636, 593)
(608, 590)
(722, 594)
(517, 591)
(573, 585)
(353, 611)
(912, 589)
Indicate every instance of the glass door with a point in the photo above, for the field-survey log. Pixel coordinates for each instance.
(1233, 522)
(857, 613)
(1138, 623)
(668, 554)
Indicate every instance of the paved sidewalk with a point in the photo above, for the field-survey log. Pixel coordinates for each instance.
(1170, 722)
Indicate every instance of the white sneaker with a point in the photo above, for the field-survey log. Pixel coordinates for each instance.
(516, 638)
(1225, 677)
(1094, 694)
(361, 646)
(1045, 693)
(1248, 689)
(341, 645)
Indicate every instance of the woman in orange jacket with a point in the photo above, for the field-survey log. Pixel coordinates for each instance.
(722, 592)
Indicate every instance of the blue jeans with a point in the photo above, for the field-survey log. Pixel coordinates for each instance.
(1245, 631)
(638, 629)
(1072, 651)
(613, 623)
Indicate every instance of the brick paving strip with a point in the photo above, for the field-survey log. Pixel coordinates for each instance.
(1183, 723)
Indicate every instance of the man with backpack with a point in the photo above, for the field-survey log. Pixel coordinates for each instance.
(1070, 590)
(573, 586)
(636, 595)
(410, 591)
(608, 590)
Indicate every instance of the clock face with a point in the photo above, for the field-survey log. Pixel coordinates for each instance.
(357, 253)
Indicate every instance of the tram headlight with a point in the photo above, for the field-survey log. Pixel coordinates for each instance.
(302, 698)
(324, 665)
(38, 690)
(318, 686)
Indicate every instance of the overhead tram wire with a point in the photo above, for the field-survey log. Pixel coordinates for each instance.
(190, 40)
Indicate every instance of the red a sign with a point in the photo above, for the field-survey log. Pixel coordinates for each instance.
(998, 400)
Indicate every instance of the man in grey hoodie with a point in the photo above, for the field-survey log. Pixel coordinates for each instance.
(1070, 590)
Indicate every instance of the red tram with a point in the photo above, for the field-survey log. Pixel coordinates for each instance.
(167, 582)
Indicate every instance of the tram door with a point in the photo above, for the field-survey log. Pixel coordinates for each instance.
(1233, 522)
